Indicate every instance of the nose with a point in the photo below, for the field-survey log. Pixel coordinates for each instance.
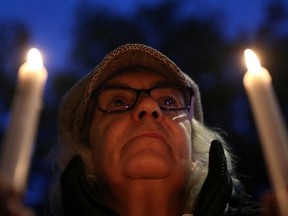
(146, 107)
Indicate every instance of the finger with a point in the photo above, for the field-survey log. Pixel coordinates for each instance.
(16, 208)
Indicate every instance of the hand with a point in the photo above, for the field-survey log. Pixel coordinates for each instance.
(217, 188)
(11, 203)
(270, 204)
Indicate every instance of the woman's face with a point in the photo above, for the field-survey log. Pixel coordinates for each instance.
(143, 143)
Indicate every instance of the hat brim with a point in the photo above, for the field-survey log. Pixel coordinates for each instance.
(136, 55)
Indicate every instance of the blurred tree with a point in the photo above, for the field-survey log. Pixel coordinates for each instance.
(13, 42)
(98, 32)
(273, 35)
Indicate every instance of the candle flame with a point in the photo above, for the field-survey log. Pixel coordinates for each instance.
(34, 59)
(252, 61)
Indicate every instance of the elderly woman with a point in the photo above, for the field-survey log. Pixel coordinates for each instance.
(132, 142)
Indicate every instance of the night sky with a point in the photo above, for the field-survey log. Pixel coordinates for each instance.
(51, 22)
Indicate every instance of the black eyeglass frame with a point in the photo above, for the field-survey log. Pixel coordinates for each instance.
(185, 89)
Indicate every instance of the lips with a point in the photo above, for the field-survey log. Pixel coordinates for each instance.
(146, 139)
(149, 134)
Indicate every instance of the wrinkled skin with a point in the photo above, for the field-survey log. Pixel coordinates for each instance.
(145, 143)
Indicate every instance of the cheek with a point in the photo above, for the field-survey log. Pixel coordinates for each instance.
(100, 130)
(183, 147)
(186, 130)
(99, 135)
(184, 127)
(181, 131)
(96, 141)
(105, 135)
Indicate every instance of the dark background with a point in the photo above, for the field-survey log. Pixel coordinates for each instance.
(202, 43)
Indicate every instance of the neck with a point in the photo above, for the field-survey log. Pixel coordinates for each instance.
(146, 197)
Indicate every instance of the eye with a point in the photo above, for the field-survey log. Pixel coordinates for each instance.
(117, 103)
(116, 99)
(167, 102)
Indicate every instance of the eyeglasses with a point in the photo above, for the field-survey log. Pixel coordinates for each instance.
(116, 99)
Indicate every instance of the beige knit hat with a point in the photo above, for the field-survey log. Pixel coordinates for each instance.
(75, 102)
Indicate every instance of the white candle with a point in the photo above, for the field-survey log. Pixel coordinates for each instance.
(20, 136)
(270, 125)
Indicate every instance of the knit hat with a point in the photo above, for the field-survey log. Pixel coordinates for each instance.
(75, 101)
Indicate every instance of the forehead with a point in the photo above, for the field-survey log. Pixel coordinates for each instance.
(136, 76)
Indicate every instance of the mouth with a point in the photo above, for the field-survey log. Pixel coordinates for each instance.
(154, 135)
(147, 138)
(147, 141)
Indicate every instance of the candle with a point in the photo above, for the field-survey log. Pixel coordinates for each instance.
(19, 140)
(270, 125)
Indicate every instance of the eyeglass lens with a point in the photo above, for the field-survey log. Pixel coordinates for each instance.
(119, 99)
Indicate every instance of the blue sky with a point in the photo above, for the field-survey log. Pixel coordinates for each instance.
(51, 22)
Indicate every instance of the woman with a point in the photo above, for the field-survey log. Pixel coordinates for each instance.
(136, 124)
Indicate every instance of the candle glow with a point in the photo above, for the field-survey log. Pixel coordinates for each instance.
(252, 61)
(20, 136)
(34, 60)
(270, 125)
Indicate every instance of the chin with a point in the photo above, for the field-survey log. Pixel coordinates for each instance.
(147, 166)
